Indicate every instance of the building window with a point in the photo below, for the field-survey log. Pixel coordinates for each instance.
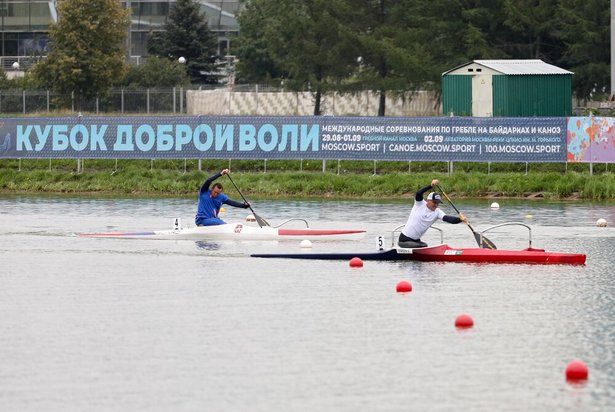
(17, 16)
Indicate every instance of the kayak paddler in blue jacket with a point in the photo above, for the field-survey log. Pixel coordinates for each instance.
(211, 200)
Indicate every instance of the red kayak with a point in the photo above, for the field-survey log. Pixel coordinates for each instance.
(445, 253)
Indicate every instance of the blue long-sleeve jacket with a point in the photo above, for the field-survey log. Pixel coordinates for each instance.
(210, 206)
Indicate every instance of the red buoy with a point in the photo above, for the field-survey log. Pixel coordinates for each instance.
(404, 286)
(464, 321)
(356, 262)
(576, 370)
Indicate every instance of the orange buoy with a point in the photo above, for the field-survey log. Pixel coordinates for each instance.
(464, 321)
(576, 370)
(356, 262)
(404, 286)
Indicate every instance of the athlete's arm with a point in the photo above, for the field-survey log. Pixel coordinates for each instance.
(236, 204)
(209, 181)
(451, 219)
(419, 194)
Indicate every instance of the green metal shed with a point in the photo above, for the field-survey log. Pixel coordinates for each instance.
(510, 88)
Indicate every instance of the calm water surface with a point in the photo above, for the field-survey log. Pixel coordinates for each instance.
(117, 324)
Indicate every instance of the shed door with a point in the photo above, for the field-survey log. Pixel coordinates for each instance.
(482, 96)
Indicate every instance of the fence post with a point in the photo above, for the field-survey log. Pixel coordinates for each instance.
(0, 100)
(72, 100)
(24, 101)
(47, 101)
(174, 102)
(338, 166)
(297, 107)
(181, 100)
(200, 161)
(96, 104)
(324, 165)
(147, 99)
(122, 100)
(375, 166)
(230, 96)
(591, 168)
(256, 89)
(265, 166)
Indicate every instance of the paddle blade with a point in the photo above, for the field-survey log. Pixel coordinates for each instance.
(483, 242)
(261, 222)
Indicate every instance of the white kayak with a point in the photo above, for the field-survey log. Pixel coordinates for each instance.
(235, 231)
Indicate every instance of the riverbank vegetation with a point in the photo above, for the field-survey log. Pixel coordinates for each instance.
(297, 179)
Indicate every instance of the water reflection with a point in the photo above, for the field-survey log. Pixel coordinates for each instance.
(207, 245)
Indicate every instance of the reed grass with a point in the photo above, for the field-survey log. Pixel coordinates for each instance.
(286, 178)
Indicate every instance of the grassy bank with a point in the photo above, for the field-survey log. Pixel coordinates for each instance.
(291, 179)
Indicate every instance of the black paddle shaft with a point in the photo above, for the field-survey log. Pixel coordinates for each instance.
(482, 241)
(261, 222)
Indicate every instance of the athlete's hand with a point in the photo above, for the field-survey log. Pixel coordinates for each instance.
(224, 172)
(463, 218)
(435, 182)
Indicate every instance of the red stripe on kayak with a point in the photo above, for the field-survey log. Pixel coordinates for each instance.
(316, 232)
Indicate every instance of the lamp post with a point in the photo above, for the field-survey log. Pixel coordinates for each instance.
(181, 60)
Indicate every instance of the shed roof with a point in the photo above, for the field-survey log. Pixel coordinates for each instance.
(517, 67)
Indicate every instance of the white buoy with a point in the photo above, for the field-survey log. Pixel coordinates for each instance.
(601, 222)
(495, 205)
(528, 216)
(305, 244)
(250, 218)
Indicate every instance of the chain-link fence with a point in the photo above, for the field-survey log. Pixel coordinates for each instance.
(142, 101)
(240, 99)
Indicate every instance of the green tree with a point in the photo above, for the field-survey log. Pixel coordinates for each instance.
(386, 42)
(458, 32)
(4, 81)
(256, 62)
(298, 42)
(157, 72)
(584, 28)
(535, 24)
(187, 35)
(87, 54)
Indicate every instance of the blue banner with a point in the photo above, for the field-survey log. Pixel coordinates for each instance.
(536, 139)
